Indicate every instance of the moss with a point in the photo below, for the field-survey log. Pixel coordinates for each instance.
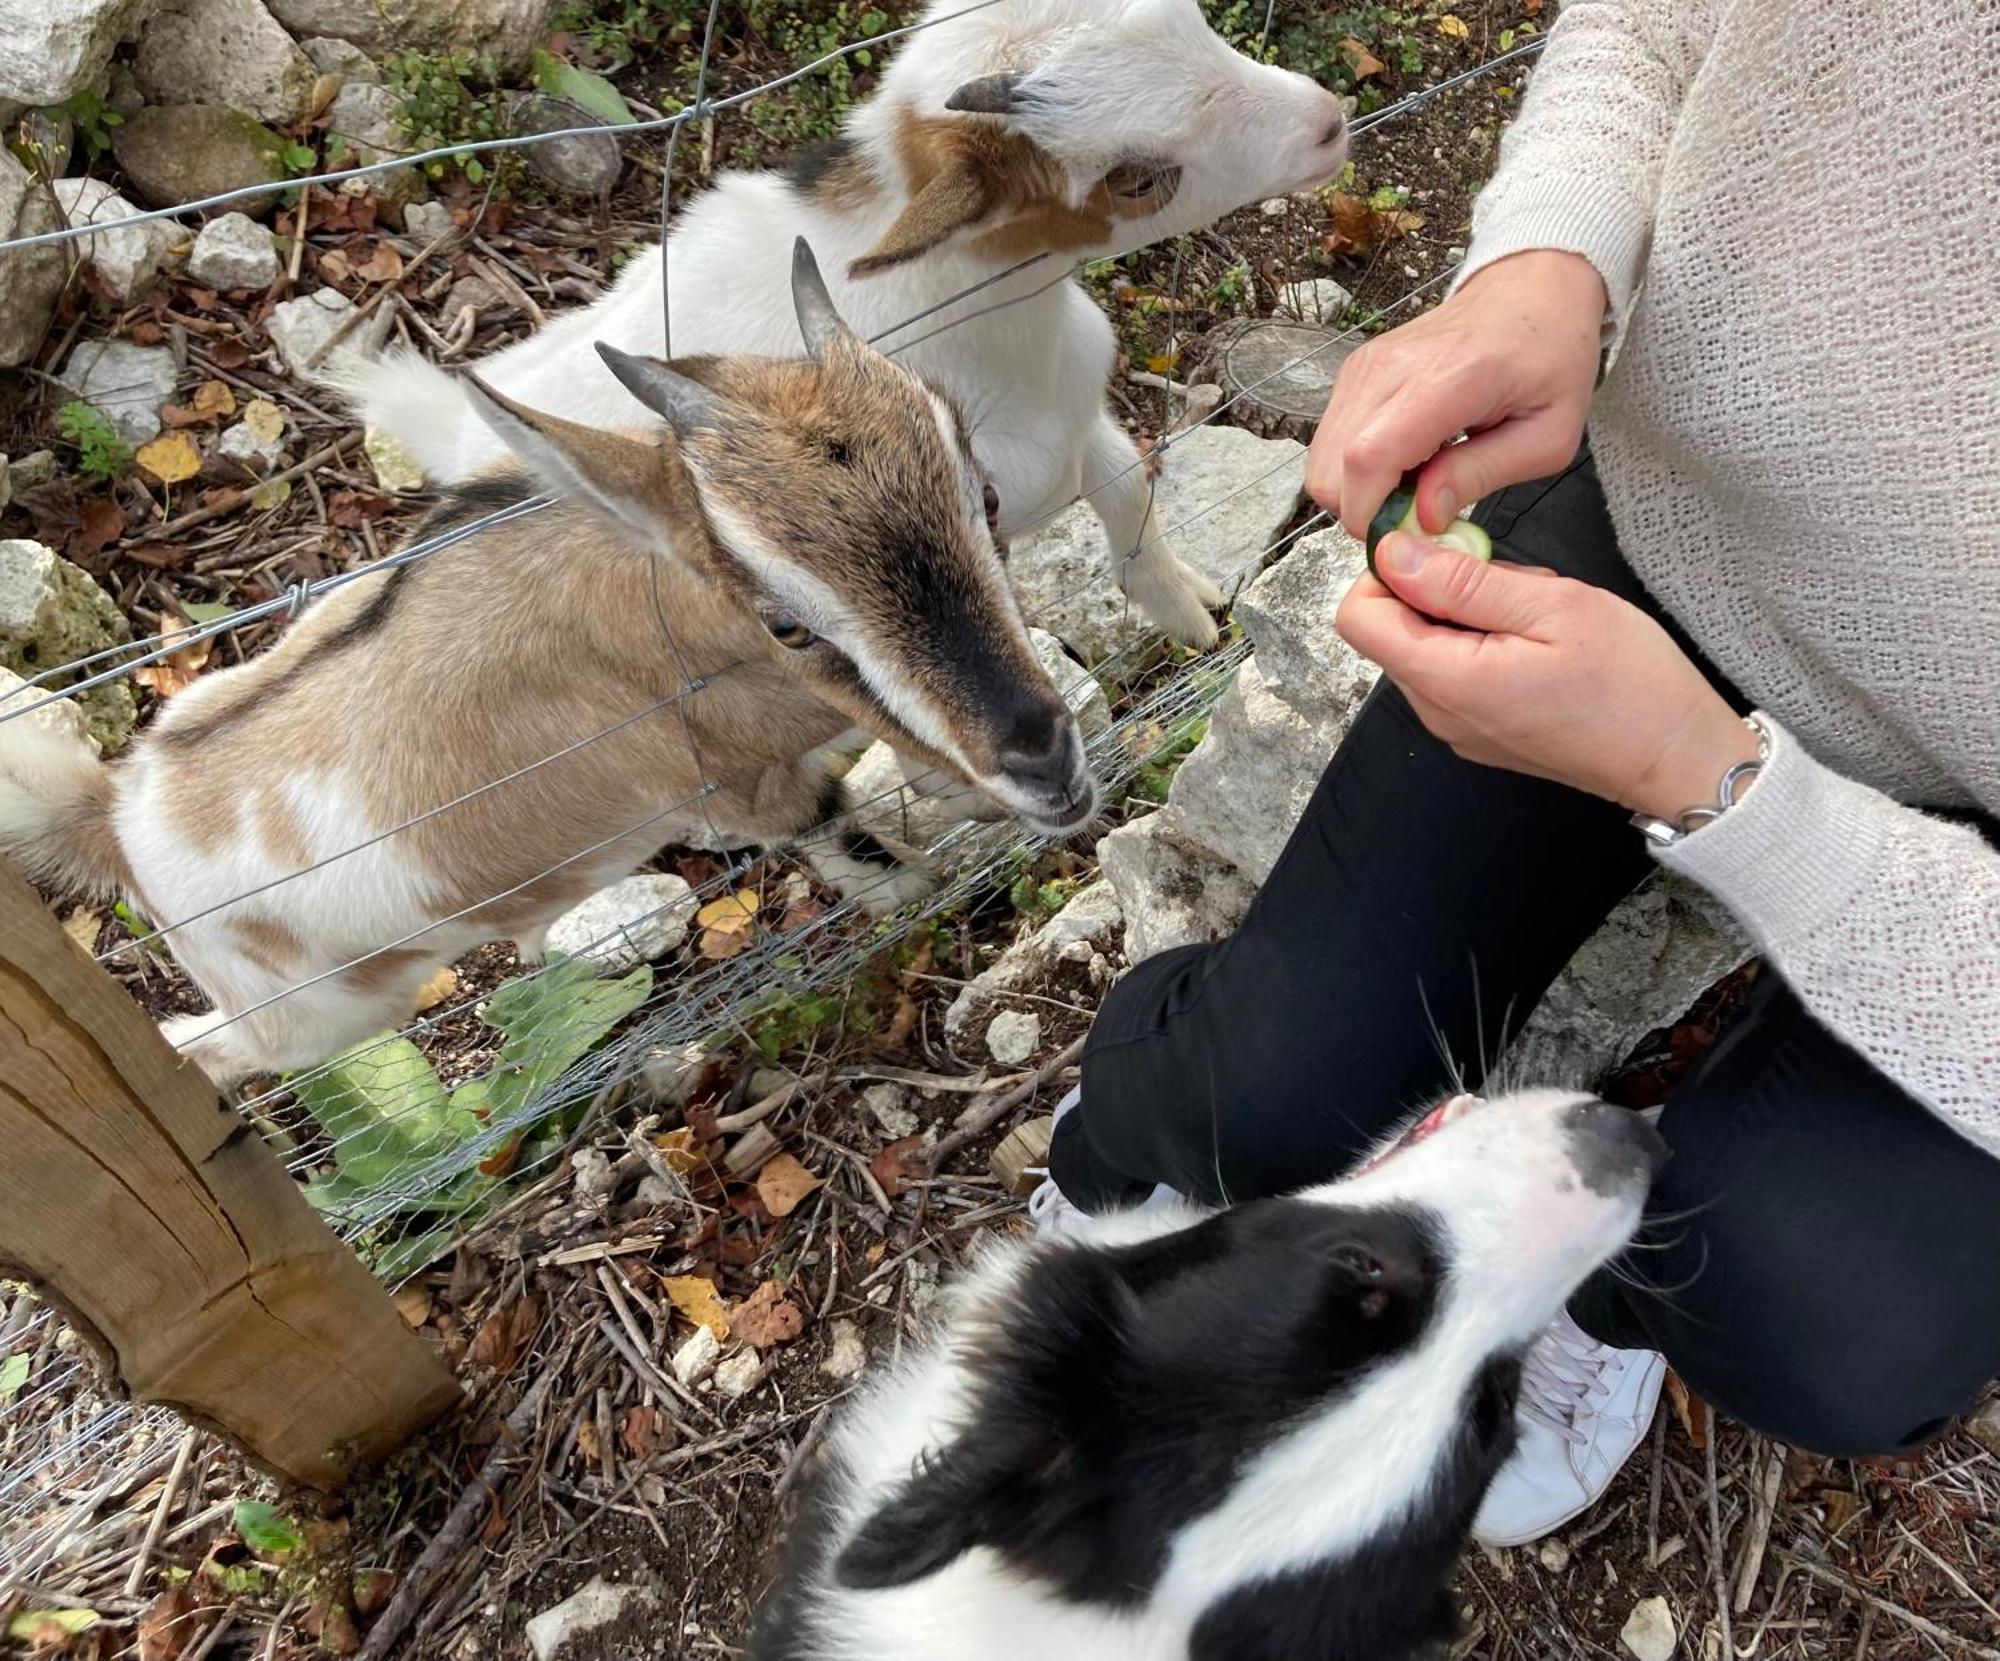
(77, 619)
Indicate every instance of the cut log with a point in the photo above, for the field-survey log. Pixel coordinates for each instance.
(1022, 1158)
(1276, 373)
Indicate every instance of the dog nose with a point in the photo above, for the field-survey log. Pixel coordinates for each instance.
(1613, 1147)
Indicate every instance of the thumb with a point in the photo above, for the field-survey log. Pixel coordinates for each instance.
(1456, 588)
(1529, 447)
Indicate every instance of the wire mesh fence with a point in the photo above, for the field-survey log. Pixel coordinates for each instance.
(405, 1142)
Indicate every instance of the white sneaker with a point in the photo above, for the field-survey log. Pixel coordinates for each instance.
(1584, 1410)
(1055, 1217)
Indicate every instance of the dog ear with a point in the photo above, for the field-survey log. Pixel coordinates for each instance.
(1048, 1386)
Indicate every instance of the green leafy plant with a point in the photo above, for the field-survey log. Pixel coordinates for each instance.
(93, 120)
(449, 98)
(266, 1529)
(13, 1374)
(583, 89)
(101, 453)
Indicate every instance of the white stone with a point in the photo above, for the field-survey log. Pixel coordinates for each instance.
(1246, 784)
(425, 222)
(395, 468)
(671, 1074)
(590, 1170)
(887, 1105)
(1092, 916)
(696, 1358)
(627, 924)
(914, 808)
(1013, 1036)
(229, 52)
(340, 57)
(243, 443)
(127, 260)
(51, 49)
(599, 1604)
(1288, 614)
(234, 251)
(37, 467)
(31, 280)
(506, 29)
(1061, 574)
(1320, 300)
(364, 125)
(1655, 955)
(1275, 207)
(1075, 684)
(740, 1374)
(27, 583)
(1554, 1555)
(126, 384)
(846, 1354)
(1650, 1633)
(300, 328)
(1172, 894)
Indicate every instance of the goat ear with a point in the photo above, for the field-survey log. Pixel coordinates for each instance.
(991, 95)
(684, 404)
(820, 325)
(956, 196)
(618, 476)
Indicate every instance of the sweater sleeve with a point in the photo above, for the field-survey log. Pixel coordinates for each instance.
(1884, 920)
(1580, 169)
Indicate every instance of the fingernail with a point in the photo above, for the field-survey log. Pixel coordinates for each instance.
(1405, 554)
(1448, 504)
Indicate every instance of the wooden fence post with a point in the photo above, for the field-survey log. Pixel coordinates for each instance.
(158, 1220)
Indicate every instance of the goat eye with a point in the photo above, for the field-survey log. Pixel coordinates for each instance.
(991, 498)
(1141, 181)
(789, 632)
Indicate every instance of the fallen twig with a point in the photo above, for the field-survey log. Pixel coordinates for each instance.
(1895, 1611)
(136, 1576)
(979, 1120)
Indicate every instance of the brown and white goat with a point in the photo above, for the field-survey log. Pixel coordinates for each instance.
(807, 539)
(1075, 129)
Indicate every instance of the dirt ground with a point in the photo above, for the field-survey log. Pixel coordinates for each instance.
(580, 1453)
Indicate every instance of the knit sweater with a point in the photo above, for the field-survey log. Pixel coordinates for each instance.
(1795, 208)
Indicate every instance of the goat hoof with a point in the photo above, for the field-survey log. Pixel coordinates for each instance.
(890, 889)
(1177, 597)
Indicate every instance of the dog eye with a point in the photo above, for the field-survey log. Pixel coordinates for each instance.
(991, 498)
(1141, 181)
(789, 632)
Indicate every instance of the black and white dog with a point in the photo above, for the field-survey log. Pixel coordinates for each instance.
(1257, 1434)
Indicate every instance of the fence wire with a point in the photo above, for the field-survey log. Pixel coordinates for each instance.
(64, 1452)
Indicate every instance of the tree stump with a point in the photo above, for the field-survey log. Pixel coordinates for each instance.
(1276, 373)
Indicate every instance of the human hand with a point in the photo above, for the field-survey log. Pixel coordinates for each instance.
(1545, 676)
(1511, 359)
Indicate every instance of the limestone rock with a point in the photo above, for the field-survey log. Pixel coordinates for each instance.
(1655, 955)
(1172, 894)
(38, 467)
(695, 1360)
(1061, 574)
(340, 57)
(64, 719)
(1225, 496)
(1288, 614)
(671, 1074)
(229, 52)
(301, 328)
(1244, 787)
(846, 1354)
(395, 468)
(256, 442)
(1091, 917)
(31, 280)
(1013, 1036)
(1319, 300)
(1078, 687)
(52, 613)
(560, 1632)
(125, 260)
(741, 1373)
(425, 222)
(629, 923)
(1649, 1632)
(364, 125)
(586, 164)
(234, 251)
(887, 1105)
(126, 384)
(51, 49)
(186, 152)
(507, 29)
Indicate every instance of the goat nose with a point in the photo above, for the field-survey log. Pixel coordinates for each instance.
(1037, 743)
(1335, 133)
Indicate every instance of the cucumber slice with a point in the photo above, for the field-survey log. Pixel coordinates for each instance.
(1399, 513)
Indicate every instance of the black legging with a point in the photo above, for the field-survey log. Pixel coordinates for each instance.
(1827, 1254)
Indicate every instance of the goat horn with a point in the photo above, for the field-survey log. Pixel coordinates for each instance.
(819, 323)
(682, 403)
(989, 95)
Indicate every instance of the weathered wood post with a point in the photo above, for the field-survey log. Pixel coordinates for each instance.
(161, 1224)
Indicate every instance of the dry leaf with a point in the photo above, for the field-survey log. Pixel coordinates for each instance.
(100, 522)
(265, 420)
(1453, 27)
(505, 1334)
(898, 1165)
(1363, 62)
(1689, 1409)
(730, 913)
(213, 398)
(385, 265)
(351, 509)
(767, 1317)
(783, 1185)
(177, 670)
(639, 1433)
(435, 990)
(166, 1629)
(170, 458)
(81, 925)
(694, 1296)
(503, 1159)
(587, 1441)
(372, 1589)
(228, 354)
(678, 1151)
(413, 1303)
(334, 268)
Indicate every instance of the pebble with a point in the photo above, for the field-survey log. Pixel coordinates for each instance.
(887, 1105)
(847, 1354)
(1554, 1555)
(232, 252)
(644, 917)
(695, 1360)
(1650, 1633)
(427, 221)
(591, 1170)
(740, 1374)
(1013, 1037)
(596, 1606)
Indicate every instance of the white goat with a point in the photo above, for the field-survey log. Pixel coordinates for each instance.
(816, 534)
(1079, 129)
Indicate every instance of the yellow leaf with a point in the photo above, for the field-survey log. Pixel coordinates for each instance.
(265, 419)
(678, 1152)
(435, 990)
(413, 1303)
(1161, 362)
(694, 1296)
(213, 398)
(784, 1183)
(1453, 26)
(1363, 62)
(271, 495)
(49, 1628)
(731, 914)
(170, 458)
(177, 670)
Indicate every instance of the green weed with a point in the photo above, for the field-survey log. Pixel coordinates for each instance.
(101, 454)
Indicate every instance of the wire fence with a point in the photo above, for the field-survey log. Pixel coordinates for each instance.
(400, 1163)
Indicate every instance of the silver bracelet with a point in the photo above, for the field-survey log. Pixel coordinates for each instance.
(1664, 833)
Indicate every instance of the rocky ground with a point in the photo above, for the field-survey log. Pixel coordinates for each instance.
(654, 1323)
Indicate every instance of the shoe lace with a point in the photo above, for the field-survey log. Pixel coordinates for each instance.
(1564, 1372)
(1047, 1200)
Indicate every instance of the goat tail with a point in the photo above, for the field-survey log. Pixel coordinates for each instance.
(55, 797)
(418, 405)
